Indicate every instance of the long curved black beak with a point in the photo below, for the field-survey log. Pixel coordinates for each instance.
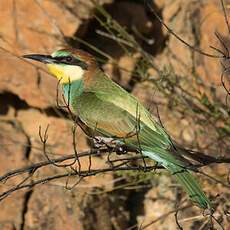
(41, 58)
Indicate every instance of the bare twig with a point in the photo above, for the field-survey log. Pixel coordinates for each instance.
(148, 3)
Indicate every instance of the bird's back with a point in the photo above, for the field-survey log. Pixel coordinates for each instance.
(107, 107)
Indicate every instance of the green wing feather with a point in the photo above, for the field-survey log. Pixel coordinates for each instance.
(113, 112)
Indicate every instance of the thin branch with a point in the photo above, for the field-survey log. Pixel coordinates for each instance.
(165, 215)
(86, 173)
(178, 37)
(225, 16)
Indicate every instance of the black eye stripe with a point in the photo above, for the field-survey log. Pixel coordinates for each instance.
(70, 60)
(64, 59)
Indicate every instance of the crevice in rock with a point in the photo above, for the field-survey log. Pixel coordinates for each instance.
(9, 99)
(160, 41)
(28, 146)
(135, 206)
(27, 197)
(105, 211)
(95, 212)
(27, 151)
(131, 201)
(55, 112)
(122, 12)
(136, 78)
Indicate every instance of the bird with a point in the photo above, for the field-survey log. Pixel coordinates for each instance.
(104, 106)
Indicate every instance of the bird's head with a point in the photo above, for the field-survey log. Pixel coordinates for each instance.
(67, 65)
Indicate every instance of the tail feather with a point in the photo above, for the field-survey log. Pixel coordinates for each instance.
(191, 186)
(183, 175)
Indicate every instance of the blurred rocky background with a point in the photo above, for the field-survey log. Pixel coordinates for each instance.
(160, 71)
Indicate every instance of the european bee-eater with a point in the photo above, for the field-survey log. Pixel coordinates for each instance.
(104, 106)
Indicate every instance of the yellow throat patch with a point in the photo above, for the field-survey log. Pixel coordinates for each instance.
(66, 73)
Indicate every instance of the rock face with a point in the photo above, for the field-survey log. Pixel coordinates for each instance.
(191, 95)
(14, 145)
